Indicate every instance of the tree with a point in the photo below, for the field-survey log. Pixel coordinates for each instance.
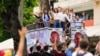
(9, 17)
(44, 4)
(9, 23)
(28, 10)
(3, 34)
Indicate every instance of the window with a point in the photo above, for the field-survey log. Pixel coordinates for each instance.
(88, 14)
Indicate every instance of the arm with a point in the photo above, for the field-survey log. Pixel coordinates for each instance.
(83, 24)
(55, 44)
(67, 18)
(50, 16)
(36, 16)
(34, 47)
(76, 51)
(98, 47)
(43, 17)
(21, 43)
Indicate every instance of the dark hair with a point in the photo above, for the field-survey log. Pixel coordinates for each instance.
(59, 47)
(84, 44)
(38, 48)
(31, 49)
(46, 48)
(45, 9)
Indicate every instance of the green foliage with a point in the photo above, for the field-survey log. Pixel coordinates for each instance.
(28, 18)
(28, 10)
(2, 7)
(3, 34)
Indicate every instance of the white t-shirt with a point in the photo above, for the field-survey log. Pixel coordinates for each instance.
(72, 44)
(87, 53)
(65, 16)
(60, 16)
(56, 16)
(78, 22)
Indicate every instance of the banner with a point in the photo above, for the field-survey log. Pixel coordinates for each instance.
(44, 35)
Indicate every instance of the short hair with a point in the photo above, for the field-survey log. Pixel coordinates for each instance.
(46, 48)
(59, 47)
(84, 44)
(31, 49)
(38, 48)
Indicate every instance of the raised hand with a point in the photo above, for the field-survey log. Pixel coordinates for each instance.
(22, 32)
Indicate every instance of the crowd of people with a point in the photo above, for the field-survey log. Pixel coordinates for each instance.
(60, 18)
(57, 48)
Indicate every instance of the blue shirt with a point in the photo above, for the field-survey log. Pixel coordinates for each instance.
(68, 52)
(46, 17)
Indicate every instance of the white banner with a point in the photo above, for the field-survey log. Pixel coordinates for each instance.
(43, 35)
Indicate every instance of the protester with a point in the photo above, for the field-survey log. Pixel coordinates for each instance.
(59, 16)
(82, 49)
(69, 51)
(52, 20)
(57, 49)
(79, 23)
(38, 51)
(51, 9)
(39, 20)
(56, 19)
(46, 18)
(71, 14)
(64, 19)
(22, 34)
(33, 48)
(46, 53)
(68, 21)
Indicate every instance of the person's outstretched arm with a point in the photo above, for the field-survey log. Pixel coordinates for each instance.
(22, 33)
(83, 24)
(55, 44)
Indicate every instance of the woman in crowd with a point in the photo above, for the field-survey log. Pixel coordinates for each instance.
(46, 17)
(39, 19)
(67, 23)
(52, 19)
(71, 14)
(56, 19)
(65, 19)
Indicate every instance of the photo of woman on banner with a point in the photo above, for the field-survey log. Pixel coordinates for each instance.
(54, 35)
